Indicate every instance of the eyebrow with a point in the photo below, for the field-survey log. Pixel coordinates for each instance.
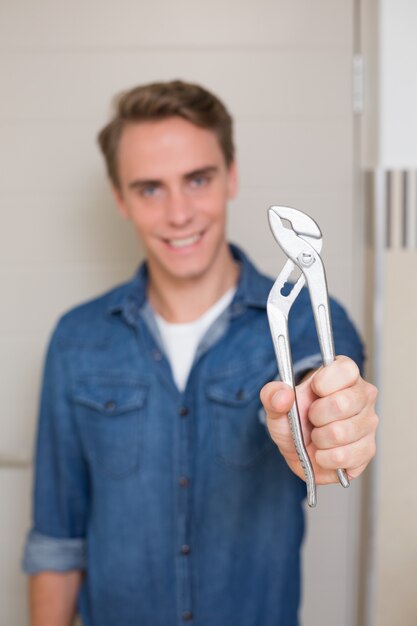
(144, 182)
(208, 169)
(201, 171)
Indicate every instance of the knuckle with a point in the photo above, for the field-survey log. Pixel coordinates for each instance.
(330, 459)
(367, 453)
(316, 383)
(351, 370)
(372, 393)
(341, 404)
(338, 433)
(374, 422)
(315, 413)
(356, 472)
(337, 456)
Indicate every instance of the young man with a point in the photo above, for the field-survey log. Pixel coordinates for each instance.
(160, 497)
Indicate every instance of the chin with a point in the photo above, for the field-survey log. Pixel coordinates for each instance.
(186, 274)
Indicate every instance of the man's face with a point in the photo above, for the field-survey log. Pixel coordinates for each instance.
(174, 186)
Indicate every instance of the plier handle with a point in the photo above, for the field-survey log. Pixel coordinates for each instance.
(300, 238)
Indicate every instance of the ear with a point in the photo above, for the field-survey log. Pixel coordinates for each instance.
(232, 180)
(120, 202)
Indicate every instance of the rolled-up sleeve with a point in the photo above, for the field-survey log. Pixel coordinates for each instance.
(56, 540)
(48, 553)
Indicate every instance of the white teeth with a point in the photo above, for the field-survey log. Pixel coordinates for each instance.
(181, 243)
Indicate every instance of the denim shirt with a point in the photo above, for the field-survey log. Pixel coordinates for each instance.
(178, 506)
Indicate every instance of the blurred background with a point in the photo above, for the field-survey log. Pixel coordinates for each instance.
(324, 97)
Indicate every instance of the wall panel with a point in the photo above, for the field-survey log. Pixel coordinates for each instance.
(284, 69)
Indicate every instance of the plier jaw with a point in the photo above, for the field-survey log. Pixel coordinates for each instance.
(301, 241)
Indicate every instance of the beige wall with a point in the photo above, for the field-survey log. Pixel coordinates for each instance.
(284, 69)
(389, 33)
(396, 536)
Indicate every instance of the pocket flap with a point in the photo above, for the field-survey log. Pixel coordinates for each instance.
(110, 396)
(240, 387)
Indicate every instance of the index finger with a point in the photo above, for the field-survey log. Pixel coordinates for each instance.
(340, 374)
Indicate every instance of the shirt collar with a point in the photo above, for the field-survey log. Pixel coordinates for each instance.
(252, 289)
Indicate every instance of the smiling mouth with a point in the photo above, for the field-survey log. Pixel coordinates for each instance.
(185, 241)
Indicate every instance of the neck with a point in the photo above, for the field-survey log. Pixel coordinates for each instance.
(184, 300)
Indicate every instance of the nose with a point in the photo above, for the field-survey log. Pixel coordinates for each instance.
(178, 208)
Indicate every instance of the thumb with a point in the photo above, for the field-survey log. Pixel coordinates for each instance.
(277, 399)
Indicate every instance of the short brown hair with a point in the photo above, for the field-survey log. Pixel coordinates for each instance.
(158, 101)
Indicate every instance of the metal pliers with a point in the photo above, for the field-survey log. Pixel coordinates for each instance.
(300, 238)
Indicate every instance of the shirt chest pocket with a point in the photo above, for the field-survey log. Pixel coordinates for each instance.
(241, 439)
(110, 414)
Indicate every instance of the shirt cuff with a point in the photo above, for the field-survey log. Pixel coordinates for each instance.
(309, 363)
(43, 553)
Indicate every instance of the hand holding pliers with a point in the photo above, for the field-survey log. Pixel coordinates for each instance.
(300, 238)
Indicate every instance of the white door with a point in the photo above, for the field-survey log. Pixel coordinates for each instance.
(284, 69)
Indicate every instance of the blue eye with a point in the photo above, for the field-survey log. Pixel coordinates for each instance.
(149, 191)
(199, 181)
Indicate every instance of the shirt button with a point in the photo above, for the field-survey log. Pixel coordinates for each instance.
(187, 616)
(110, 405)
(183, 481)
(185, 549)
(157, 355)
(183, 411)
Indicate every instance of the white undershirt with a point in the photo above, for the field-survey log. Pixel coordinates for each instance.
(181, 340)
